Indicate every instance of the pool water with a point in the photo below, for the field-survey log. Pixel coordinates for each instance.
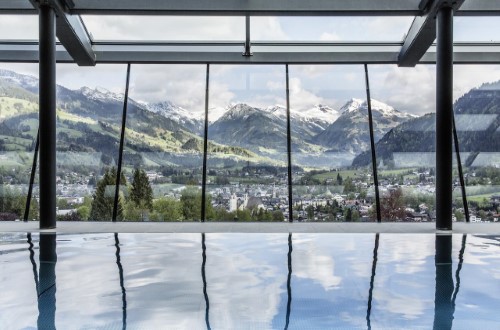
(249, 281)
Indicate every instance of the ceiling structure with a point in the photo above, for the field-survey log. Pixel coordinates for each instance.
(76, 44)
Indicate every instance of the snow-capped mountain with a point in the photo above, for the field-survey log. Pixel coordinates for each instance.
(191, 120)
(350, 131)
(251, 127)
(101, 94)
(27, 82)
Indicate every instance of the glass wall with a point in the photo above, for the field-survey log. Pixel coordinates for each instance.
(247, 144)
(89, 114)
(477, 120)
(247, 163)
(163, 152)
(18, 133)
(404, 129)
(329, 129)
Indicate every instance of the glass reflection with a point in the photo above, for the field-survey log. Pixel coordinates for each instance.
(477, 111)
(404, 130)
(18, 135)
(338, 281)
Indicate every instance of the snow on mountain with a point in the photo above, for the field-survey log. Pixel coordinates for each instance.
(101, 94)
(352, 105)
(378, 109)
(190, 119)
(349, 132)
(26, 81)
(321, 112)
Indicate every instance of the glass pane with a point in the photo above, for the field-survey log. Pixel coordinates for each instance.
(164, 28)
(19, 27)
(329, 123)
(247, 137)
(163, 153)
(330, 28)
(18, 132)
(477, 110)
(89, 114)
(404, 124)
(476, 29)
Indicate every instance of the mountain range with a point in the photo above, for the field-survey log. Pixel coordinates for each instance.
(163, 133)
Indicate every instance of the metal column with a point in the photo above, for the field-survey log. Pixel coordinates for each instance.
(120, 151)
(289, 148)
(205, 151)
(444, 117)
(47, 116)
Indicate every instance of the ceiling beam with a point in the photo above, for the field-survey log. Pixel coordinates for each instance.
(255, 7)
(263, 53)
(422, 32)
(74, 36)
(71, 32)
(235, 7)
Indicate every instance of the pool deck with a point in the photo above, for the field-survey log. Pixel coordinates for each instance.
(248, 227)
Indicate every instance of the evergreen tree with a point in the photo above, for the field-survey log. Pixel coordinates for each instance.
(104, 196)
(191, 203)
(141, 193)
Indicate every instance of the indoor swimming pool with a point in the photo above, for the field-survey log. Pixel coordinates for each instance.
(249, 281)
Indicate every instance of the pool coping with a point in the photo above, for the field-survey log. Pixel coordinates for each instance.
(247, 227)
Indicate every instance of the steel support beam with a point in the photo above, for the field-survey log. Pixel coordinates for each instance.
(263, 53)
(47, 117)
(245, 7)
(74, 37)
(444, 119)
(71, 31)
(422, 32)
(255, 8)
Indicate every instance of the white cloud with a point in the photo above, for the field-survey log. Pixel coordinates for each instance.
(300, 98)
(165, 27)
(267, 28)
(183, 85)
(467, 77)
(410, 90)
(329, 36)
(19, 27)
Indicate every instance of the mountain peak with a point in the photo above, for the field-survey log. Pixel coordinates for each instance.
(18, 78)
(352, 105)
(101, 94)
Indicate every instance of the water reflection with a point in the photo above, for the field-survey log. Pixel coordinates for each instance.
(122, 282)
(289, 281)
(47, 282)
(246, 281)
(204, 277)
(443, 307)
(372, 280)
